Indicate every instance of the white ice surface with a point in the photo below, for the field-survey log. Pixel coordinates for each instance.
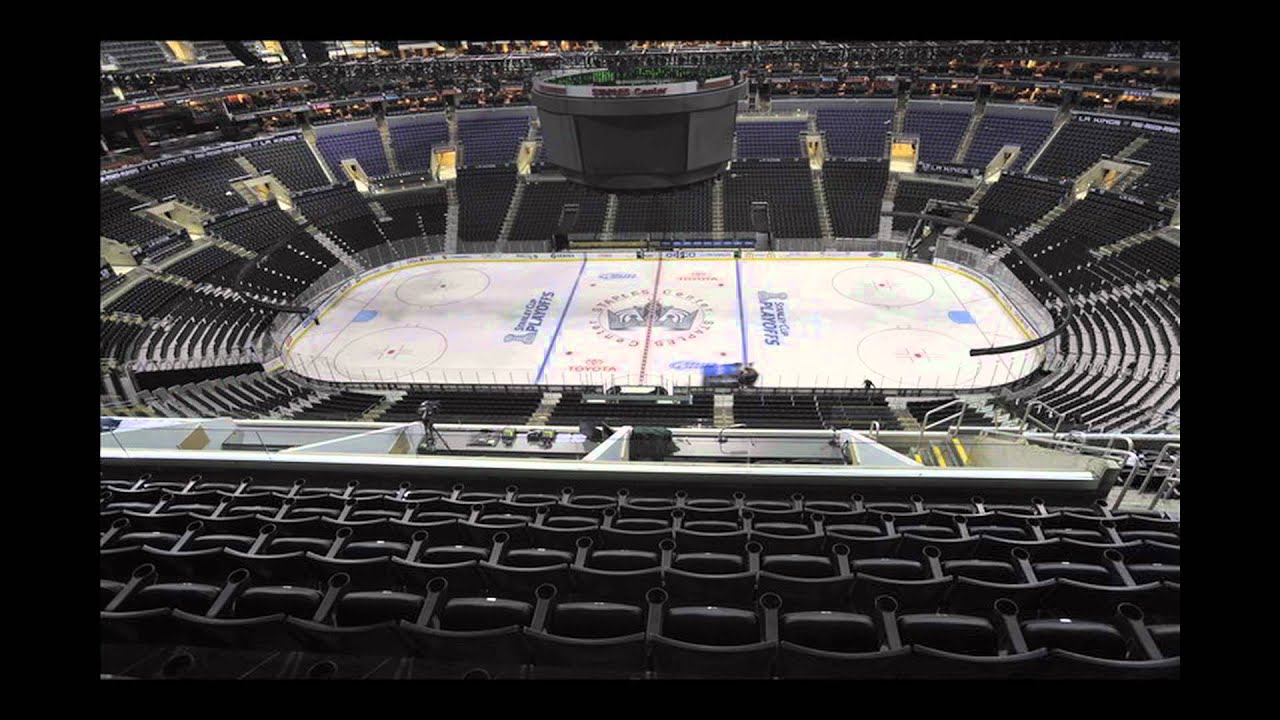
(811, 322)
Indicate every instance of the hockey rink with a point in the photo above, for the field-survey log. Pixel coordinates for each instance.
(813, 321)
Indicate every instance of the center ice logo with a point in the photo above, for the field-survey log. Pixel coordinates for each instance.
(677, 315)
(668, 317)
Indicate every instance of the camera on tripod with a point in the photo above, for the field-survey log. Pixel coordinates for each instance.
(427, 410)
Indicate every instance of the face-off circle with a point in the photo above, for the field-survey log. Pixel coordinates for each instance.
(390, 353)
(936, 358)
(445, 286)
(882, 286)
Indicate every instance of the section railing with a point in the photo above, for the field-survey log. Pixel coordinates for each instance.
(1166, 451)
(954, 415)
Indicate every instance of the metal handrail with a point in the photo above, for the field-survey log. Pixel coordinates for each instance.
(1128, 482)
(1026, 414)
(1164, 453)
(1171, 481)
(925, 425)
(1114, 453)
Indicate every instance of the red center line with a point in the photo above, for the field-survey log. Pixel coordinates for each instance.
(648, 328)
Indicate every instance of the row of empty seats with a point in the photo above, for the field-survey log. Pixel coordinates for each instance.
(855, 191)
(359, 141)
(117, 222)
(762, 140)
(571, 410)
(513, 407)
(786, 185)
(145, 298)
(683, 210)
(996, 129)
(914, 196)
(342, 405)
(856, 130)
(412, 138)
(1080, 144)
(1010, 205)
(484, 195)
(491, 140)
(940, 127)
(595, 583)
(543, 202)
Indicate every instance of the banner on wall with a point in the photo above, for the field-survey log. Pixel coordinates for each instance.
(200, 155)
(946, 169)
(1138, 124)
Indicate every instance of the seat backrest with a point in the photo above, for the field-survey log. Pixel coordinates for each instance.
(191, 597)
(1096, 639)
(270, 599)
(711, 625)
(962, 634)
(709, 563)
(484, 613)
(596, 620)
(830, 630)
(366, 608)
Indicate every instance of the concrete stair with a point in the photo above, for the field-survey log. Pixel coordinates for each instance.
(610, 217)
(722, 410)
(1129, 179)
(885, 231)
(979, 110)
(1059, 121)
(174, 280)
(542, 413)
(820, 204)
(1034, 228)
(379, 211)
(979, 192)
(717, 204)
(1123, 244)
(376, 411)
(1132, 147)
(133, 194)
(309, 135)
(451, 217)
(906, 419)
(380, 119)
(328, 244)
(245, 165)
(509, 221)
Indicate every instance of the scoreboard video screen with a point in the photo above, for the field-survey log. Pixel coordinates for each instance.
(616, 132)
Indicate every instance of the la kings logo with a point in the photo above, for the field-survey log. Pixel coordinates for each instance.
(675, 317)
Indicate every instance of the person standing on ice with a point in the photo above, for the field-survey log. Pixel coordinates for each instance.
(868, 385)
(747, 376)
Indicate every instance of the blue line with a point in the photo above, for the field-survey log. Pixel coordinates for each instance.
(742, 321)
(568, 303)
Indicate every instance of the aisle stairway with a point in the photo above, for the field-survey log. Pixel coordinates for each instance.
(950, 452)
